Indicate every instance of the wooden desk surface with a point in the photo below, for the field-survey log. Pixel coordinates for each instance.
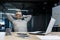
(31, 37)
(15, 37)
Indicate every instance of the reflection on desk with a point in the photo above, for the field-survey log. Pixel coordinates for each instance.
(32, 37)
(15, 37)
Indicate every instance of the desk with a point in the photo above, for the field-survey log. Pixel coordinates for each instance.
(32, 37)
(14, 37)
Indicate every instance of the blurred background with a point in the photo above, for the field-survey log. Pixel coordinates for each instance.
(41, 12)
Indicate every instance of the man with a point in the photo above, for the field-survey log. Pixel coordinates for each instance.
(20, 21)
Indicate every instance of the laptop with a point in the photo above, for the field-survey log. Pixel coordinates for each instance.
(48, 30)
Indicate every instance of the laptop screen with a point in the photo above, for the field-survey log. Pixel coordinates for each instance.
(50, 26)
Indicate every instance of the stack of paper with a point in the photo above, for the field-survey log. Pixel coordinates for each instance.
(2, 35)
(49, 37)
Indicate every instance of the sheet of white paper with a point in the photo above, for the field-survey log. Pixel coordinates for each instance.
(2, 35)
(48, 37)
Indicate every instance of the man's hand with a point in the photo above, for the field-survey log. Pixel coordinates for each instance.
(9, 16)
(27, 17)
(24, 16)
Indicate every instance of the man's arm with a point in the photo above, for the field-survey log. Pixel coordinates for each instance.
(27, 17)
(9, 16)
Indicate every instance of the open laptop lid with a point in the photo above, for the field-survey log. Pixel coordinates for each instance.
(50, 26)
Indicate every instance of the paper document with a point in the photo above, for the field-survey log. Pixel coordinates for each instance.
(48, 37)
(2, 35)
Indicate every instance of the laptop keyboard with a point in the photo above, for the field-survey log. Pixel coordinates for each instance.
(39, 33)
(42, 32)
